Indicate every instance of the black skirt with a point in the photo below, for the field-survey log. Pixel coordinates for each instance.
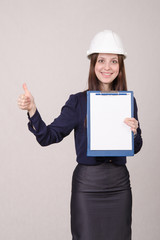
(101, 203)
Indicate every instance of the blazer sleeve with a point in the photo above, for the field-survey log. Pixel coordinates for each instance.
(138, 138)
(59, 128)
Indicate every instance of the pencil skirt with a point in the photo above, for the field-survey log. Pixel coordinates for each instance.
(101, 203)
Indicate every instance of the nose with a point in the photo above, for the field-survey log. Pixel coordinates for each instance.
(107, 65)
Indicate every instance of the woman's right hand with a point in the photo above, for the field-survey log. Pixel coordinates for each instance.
(26, 101)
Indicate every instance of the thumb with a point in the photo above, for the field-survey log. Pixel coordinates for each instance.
(27, 93)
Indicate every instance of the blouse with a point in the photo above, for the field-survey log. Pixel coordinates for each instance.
(73, 117)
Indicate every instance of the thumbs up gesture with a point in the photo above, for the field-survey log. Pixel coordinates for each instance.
(26, 101)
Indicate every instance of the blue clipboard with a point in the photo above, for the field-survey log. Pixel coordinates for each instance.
(107, 134)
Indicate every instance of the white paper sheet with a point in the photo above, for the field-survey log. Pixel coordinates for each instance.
(107, 128)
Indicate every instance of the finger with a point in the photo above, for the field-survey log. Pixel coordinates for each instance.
(27, 93)
(132, 125)
(23, 104)
(25, 107)
(131, 120)
(24, 101)
(23, 97)
(134, 131)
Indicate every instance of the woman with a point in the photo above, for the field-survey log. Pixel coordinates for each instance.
(101, 201)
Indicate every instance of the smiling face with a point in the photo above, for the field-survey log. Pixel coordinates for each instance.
(106, 69)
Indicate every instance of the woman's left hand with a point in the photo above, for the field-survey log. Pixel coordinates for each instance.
(133, 123)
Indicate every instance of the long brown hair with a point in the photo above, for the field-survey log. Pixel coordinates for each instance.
(119, 84)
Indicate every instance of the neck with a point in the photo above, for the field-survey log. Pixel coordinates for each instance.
(105, 88)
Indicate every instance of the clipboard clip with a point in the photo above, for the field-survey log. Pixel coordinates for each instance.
(113, 93)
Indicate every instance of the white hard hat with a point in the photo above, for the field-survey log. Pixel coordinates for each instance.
(106, 42)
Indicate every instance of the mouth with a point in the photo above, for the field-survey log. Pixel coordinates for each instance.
(106, 74)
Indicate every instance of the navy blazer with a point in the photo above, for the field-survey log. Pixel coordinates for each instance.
(73, 116)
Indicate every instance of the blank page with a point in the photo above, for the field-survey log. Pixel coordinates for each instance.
(107, 128)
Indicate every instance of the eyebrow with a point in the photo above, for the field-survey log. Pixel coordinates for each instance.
(111, 58)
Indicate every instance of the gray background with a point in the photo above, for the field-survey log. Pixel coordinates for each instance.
(44, 43)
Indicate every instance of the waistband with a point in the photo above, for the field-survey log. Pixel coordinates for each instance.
(105, 161)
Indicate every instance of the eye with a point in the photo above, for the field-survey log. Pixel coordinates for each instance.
(114, 61)
(100, 60)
